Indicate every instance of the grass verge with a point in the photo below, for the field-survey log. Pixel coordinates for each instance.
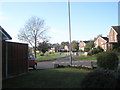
(49, 78)
(50, 57)
(85, 58)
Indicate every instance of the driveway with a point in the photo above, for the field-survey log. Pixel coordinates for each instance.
(64, 61)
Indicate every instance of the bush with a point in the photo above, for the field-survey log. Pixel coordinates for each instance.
(118, 79)
(99, 78)
(117, 52)
(80, 50)
(107, 60)
(92, 52)
(99, 49)
(95, 51)
(86, 49)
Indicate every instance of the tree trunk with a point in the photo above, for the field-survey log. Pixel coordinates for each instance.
(35, 47)
(35, 51)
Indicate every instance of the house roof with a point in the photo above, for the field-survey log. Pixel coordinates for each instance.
(105, 38)
(85, 41)
(117, 29)
(5, 35)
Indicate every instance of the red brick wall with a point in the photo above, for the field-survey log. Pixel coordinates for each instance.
(112, 35)
(82, 44)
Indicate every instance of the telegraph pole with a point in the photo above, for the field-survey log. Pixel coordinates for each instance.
(70, 32)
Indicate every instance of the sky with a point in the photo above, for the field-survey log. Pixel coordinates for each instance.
(88, 19)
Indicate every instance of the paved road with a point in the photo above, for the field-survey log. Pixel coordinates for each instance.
(64, 61)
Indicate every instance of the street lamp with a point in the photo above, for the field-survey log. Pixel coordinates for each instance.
(70, 32)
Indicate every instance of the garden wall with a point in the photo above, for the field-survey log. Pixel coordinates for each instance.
(14, 59)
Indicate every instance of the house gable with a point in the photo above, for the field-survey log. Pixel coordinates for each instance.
(102, 42)
(113, 35)
(82, 44)
(100, 39)
(66, 47)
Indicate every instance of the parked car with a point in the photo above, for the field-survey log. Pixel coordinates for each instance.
(32, 61)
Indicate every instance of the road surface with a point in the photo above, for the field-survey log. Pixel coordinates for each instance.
(64, 61)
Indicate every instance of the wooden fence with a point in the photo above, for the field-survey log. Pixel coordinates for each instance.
(14, 59)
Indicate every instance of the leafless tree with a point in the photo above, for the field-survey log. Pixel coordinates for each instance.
(33, 31)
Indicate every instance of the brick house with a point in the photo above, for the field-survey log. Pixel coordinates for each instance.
(102, 42)
(114, 35)
(82, 45)
(66, 47)
(52, 49)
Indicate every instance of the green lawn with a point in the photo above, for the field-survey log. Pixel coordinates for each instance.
(49, 78)
(56, 53)
(52, 56)
(85, 58)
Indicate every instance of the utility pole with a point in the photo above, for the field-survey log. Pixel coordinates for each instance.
(70, 32)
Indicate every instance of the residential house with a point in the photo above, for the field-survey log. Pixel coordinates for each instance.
(57, 48)
(66, 47)
(114, 35)
(82, 45)
(52, 49)
(102, 42)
